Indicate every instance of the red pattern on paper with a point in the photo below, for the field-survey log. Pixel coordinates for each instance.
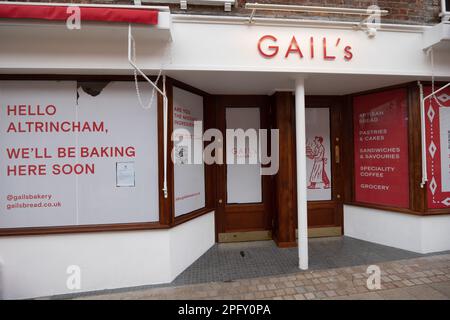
(436, 198)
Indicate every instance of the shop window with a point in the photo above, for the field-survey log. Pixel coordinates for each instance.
(380, 123)
(189, 169)
(76, 154)
(437, 124)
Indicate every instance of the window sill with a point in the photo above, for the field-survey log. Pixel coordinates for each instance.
(82, 229)
(190, 216)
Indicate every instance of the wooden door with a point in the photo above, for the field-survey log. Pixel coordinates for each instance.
(324, 166)
(325, 208)
(244, 198)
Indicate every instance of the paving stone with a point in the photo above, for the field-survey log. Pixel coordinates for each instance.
(425, 280)
(289, 284)
(249, 296)
(299, 296)
(332, 286)
(290, 291)
(269, 294)
(280, 292)
(259, 295)
(309, 295)
(397, 294)
(310, 288)
(331, 293)
(300, 289)
(298, 283)
(426, 293)
(366, 296)
(388, 286)
(320, 295)
(321, 287)
(261, 287)
(407, 283)
(443, 287)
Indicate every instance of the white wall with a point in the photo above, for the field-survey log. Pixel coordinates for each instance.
(436, 234)
(189, 242)
(35, 266)
(422, 234)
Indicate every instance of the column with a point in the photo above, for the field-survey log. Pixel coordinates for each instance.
(302, 216)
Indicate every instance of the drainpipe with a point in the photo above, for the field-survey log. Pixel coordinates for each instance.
(302, 216)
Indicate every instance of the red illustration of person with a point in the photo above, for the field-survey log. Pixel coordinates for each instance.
(318, 172)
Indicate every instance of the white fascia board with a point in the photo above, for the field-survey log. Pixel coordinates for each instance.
(165, 24)
(437, 36)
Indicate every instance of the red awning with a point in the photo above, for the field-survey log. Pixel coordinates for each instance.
(105, 14)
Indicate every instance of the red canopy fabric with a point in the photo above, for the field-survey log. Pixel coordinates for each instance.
(46, 12)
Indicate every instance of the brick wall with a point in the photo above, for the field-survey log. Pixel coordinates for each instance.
(400, 11)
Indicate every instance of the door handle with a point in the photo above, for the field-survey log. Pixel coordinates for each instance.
(337, 156)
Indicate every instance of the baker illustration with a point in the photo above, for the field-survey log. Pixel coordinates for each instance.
(316, 151)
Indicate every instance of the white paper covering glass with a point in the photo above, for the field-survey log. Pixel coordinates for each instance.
(243, 180)
(78, 187)
(189, 169)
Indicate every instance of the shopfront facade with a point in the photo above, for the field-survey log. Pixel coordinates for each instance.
(97, 180)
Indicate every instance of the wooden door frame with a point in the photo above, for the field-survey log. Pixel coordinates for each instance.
(285, 192)
(335, 105)
(241, 101)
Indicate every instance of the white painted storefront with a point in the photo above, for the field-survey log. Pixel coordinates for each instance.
(219, 56)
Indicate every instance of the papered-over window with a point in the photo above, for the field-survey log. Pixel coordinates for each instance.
(244, 182)
(76, 154)
(437, 124)
(380, 122)
(189, 169)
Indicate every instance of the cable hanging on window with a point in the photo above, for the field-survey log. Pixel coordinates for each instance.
(131, 60)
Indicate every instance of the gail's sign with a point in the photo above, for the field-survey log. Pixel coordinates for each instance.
(328, 49)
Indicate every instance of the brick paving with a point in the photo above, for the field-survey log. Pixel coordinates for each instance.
(418, 278)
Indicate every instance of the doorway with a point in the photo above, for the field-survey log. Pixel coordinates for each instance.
(324, 165)
(244, 204)
(251, 206)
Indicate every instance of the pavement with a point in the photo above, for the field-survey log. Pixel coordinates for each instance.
(244, 260)
(419, 278)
